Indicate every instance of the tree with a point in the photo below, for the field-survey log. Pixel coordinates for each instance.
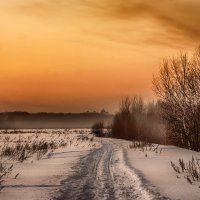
(123, 125)
(138, 121)
(177, 86)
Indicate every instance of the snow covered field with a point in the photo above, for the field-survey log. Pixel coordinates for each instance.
(157, 173)
(39, 179)
(78, 166)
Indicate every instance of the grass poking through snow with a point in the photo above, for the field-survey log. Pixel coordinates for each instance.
(189, 169)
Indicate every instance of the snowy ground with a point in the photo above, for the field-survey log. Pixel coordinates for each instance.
(155, 169)
(40, 179)
(95, 168)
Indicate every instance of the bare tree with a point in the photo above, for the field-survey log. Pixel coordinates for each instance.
(178, 87)
(137, 120)
(123, 123)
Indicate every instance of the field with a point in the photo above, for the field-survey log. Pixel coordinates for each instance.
(39, 160)
(73, 164)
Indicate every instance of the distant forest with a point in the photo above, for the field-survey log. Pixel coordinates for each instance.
(25, 120)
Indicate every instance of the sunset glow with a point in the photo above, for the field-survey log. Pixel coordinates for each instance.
(75, 55)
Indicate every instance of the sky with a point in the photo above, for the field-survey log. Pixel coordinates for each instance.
(79, 55)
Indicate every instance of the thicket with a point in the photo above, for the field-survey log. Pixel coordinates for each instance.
(98, 129)
(136, 120)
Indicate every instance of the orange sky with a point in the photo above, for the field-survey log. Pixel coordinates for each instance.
(75, 55)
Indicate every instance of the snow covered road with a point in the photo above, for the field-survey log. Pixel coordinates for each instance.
(104, 174)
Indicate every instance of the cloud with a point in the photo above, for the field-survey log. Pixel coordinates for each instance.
(176, 16)
(43, 8)
(179, 18)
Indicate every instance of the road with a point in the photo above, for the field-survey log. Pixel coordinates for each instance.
(104, 174)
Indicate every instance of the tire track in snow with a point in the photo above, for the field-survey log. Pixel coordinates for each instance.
(104, 175)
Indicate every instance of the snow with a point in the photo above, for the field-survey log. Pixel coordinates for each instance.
(157, 172)
(40, 179)
(106, 168)
(126, 176)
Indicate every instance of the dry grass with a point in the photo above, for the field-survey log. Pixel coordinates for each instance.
(4, 171)
(20, 145)
(144, 146)
(189, 169)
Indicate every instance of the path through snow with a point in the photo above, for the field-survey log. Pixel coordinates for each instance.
(104, 174)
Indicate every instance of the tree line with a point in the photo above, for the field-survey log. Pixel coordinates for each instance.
(175, 117)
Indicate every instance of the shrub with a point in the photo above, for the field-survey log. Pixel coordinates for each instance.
(98, 129)
(138, 121)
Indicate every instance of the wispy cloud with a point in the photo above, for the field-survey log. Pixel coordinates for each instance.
(43, 8)
(176, 16)
(179, 18)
